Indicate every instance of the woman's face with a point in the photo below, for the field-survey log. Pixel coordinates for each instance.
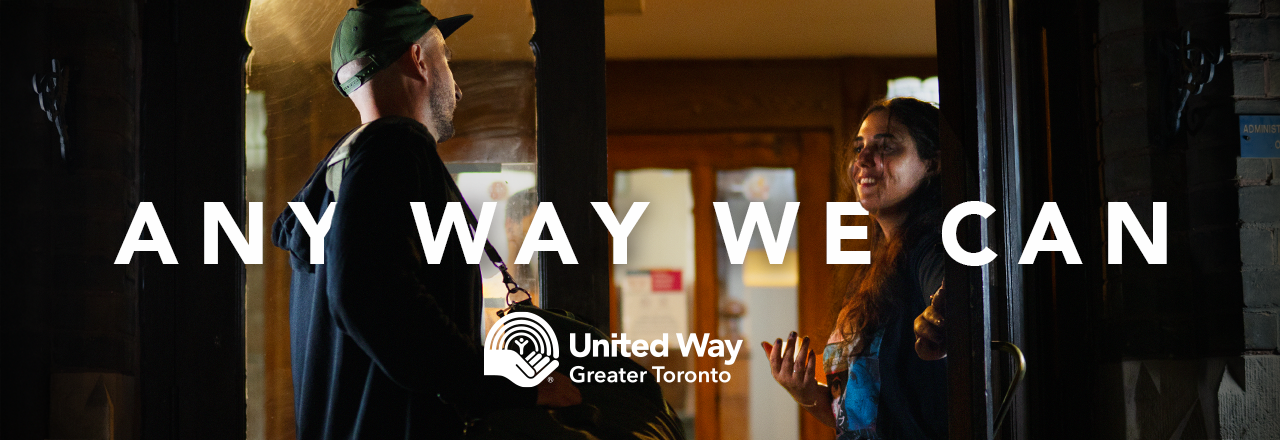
(886, 168)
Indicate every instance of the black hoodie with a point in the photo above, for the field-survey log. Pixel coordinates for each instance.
(381, 339)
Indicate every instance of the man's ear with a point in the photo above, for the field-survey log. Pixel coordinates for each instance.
(418, 56)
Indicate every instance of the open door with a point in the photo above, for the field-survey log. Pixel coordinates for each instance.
(1002, 67)
(979, 66)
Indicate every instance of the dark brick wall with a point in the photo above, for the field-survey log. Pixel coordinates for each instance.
(1255, 46)
(66, 307)
(1177, 327)
(1187, 308)
(1250, 398)
(1224, 217)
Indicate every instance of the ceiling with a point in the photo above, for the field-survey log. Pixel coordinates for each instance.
(297, 30)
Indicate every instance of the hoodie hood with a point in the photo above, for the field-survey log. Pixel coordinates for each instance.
(288, 234)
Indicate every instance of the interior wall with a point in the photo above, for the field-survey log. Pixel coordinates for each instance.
(674, 96)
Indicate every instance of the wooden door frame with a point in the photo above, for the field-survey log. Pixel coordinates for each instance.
(191, 315)
(808, 153)
(572, 152)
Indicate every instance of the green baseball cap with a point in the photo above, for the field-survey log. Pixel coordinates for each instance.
(382, 30)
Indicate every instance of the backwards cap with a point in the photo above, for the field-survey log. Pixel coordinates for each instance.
(382, 30)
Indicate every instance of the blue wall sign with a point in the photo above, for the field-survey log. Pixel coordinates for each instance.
(1259, 135)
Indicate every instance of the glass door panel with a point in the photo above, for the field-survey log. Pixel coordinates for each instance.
(656, 286)
(513, 188)
(758, 301)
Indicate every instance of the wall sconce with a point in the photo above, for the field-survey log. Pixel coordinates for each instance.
(51, 89)
(1193, 66)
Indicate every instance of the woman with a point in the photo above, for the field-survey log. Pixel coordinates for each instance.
(879, 387)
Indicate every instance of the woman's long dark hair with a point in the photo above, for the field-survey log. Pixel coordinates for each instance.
(868, 294)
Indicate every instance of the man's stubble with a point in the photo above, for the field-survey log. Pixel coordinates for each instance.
(442, 107)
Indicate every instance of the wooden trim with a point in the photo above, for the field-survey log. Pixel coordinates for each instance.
(615, 302)
(721, 95)
(814, 294)
(739, 95)
(688, 151)
(706, 298)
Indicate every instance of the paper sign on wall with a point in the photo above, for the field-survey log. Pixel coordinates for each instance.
(666, 281)
(653, 303)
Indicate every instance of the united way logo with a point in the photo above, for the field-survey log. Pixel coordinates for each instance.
(522, 348)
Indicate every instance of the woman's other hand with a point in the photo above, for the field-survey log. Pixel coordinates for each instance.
(931, 335)
(796, 376)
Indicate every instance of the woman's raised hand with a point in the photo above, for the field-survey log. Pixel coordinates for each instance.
(931, 336)
(797, 377)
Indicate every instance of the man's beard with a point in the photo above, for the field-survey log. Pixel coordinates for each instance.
(442, 107)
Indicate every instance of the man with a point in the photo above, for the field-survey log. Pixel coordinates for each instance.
(384, 344)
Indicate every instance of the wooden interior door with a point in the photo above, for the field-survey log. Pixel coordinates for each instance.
(704, 154)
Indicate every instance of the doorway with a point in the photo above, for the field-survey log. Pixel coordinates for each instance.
(682, 175)
(678, 278)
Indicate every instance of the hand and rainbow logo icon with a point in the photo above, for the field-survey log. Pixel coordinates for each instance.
(522, 348)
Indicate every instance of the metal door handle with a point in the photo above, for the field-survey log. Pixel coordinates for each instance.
(1008, 347)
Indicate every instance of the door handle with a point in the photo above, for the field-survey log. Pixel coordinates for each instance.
(1008, 347)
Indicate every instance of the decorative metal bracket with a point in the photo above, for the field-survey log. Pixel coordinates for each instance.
(51, 89)
(1194, 66)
